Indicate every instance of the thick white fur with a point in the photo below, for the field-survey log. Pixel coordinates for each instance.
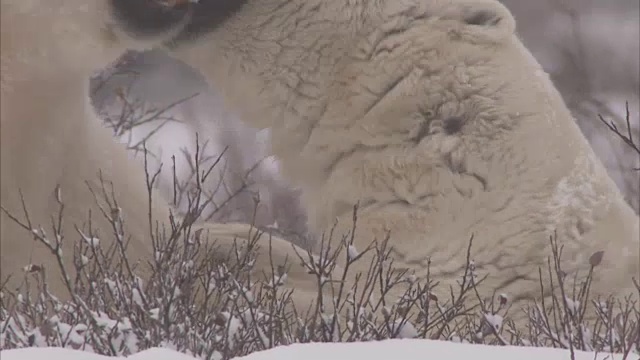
(50, 136)
(346, 86)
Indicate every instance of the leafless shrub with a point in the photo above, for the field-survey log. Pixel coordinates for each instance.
(209, 303)
(234, 186)
(625, 135)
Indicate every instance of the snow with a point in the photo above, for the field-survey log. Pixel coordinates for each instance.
(383, 350)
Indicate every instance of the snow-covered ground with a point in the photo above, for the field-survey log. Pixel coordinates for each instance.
(382, 350)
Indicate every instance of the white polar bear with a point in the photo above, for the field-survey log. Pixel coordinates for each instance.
(431, 115)
(51, 138)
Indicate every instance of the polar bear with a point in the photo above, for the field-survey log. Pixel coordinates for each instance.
(435, 119)
(53, 146)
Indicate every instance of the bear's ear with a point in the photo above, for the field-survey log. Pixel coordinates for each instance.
(482, 17)
(485, 18)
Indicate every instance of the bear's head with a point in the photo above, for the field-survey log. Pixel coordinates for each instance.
(443, 90)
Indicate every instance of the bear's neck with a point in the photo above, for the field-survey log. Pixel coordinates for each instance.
(273, 59)
(275, 63)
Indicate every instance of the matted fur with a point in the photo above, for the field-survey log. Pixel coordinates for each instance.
(435, 118)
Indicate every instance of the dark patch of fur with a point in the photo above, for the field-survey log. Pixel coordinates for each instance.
(453, 125)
